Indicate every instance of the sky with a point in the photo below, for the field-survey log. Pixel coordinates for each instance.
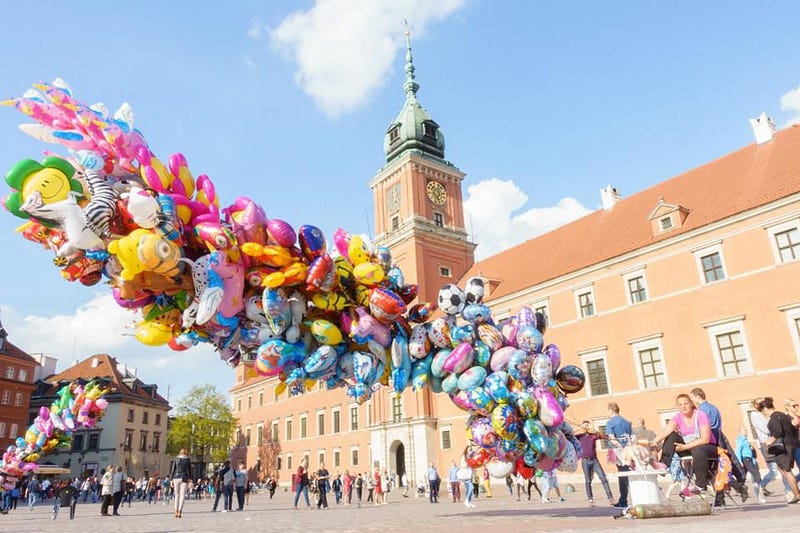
(288, 102)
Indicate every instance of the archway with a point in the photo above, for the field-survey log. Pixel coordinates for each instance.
(397, 460)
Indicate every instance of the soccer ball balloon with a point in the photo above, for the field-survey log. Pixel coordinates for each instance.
(474, 290)
(451, 299)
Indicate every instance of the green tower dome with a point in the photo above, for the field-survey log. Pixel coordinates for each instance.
(413, 129)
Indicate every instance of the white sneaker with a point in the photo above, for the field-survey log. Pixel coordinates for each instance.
(466, 504)
(762, 500)
(545, 500)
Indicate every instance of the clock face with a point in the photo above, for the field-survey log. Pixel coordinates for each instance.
(436, 192)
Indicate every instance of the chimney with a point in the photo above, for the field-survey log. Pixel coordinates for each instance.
(610, 196)
(763, 128)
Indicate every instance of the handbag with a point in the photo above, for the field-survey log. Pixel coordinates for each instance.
(777, 448)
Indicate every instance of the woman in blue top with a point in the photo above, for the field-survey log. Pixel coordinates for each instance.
(745, 452)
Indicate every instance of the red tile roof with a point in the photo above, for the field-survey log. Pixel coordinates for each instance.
(10, 350)
(745, 179)
(106, 367)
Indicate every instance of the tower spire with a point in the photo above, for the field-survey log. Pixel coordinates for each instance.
(410, 86)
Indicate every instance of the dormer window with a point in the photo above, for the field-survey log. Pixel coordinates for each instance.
(666, 223)
(394, 134)
(429, 129)
(667, 217)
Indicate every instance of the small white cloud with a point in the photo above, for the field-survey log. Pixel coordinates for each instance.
(492, 210)
(790, 102)
(344, 49)
(256, 29)
(250, 63)
(102, 326)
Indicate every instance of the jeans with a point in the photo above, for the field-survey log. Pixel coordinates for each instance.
(227, 495)
(773, 472)
(180, 493)
(590, 467)
(217, 496)
(469, 490)
(304, 490)
(240, 497)
(31, 499)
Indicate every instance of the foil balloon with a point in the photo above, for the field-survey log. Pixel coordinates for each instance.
(570, 379)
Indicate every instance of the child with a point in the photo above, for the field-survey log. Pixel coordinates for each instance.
(550, 481)
(67, 496)
(679, 478)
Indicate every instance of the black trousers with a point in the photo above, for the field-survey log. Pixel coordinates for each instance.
(117, 501)
(323, 498)
(105, 503)
(700, 456)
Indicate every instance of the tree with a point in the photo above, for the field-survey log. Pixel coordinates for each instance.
(267, 456)
(203, 425)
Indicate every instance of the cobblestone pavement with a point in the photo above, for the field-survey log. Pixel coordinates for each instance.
(503, 513)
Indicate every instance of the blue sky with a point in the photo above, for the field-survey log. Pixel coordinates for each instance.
(287, 102)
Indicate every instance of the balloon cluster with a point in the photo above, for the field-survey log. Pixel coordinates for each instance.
(254, 287)
(513, 386)
(76, 406)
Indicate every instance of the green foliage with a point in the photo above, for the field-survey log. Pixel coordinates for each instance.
(203, 424)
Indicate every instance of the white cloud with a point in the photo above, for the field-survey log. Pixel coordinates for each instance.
(790, 102)
(493, 216)
(101, 326)
(344, 49)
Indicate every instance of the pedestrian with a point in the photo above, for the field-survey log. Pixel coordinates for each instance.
(746, 453)
(32, 491)
(550, 482)
(218, 484)
(107, 490)
(590, 463)
(782, 443)
(510, 484)
(301, 484)
(65, 496)
(759, 423)
(359, 485)
(272, 484)
(118, 487)
(433, 484)
(404, 481)
(370, 488)
(455, 485)
(476, 483)
(241, 486)
(337, 488)
(180, 475)
(322, 486)
(347, 483)
(386, 486)
(620, 430)
(465, 476)
(487, 482)
(130, 488)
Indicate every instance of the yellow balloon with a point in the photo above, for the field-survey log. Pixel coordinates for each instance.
(280, 388)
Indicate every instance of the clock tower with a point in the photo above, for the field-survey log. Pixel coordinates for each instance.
(419, 211)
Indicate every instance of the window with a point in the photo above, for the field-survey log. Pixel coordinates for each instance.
(288, 430)
(394, 134)
(145, 417)
(729, 344)
(6, 397)
(446, 444)
(278, 462)
(444, 271)
(397, 408)
(787, 243)
(793, 318)
(289, 462)
(597, 377)
(274, 435)
(438, 220)
(337, 421)
(259, 435)
(18, 398)
(130, 415)
(303, 426)
(666, 223)
(649, 361)
(585, 303)
(94, 442)
(249, 402)
(354, 456)
(395, 223)
(320, 423)
(128, 442)
(158, 419)
(77, 443)
(239, 404)
(710, 264)
(143, 441)
(23, 374)
(260, 398)
(2, 430)
(353, 418)
(320, 458)
(156, 442)
(637, 290)
(247, 434)
(429, 129)
(12, 434)
(544, 309)
(10, 372)
(337, 458)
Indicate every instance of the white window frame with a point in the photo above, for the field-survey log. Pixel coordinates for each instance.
(12, 433)
(10, 372)
(699, 254)
(334, 411)
(19, 396)
(321, 458)
(595, 354)
(665, 415)
(449, 429)
(289, 462)
(648, 343)
(792, 315)
(2, 430)
(627, 277)
(544, 303)
(350, 416)
(288, 435)
(721, 327)
(354, 449)
(320, 428)
(577, 293)
(274, 430)
(23, 375)
(335, 451)
(300, 435)
(780, 228)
